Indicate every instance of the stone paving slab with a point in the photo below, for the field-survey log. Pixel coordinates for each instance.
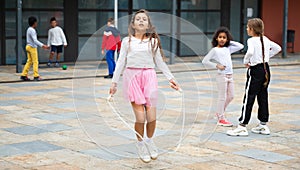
(7, 150)
(102, 154)
(57, 117)
(3, 112)
(26, 130)
(264, 155)
(43, 130)
(27, 147)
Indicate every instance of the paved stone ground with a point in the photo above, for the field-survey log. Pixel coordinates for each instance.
(67, 124)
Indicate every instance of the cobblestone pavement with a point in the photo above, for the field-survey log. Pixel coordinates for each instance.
(66, 123)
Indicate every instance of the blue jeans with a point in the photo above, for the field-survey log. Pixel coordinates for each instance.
(110, 59)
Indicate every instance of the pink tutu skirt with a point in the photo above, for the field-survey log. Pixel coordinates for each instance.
(140, 86)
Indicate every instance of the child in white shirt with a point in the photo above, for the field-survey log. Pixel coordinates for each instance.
(139, 54)
(219, 57)
(56, 40)
(260, 49)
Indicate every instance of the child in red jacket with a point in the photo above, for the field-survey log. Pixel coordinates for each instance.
(111, 42)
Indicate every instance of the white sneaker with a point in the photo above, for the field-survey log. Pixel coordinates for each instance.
(142, 151)
(261, 129)
(239, 131)
(153, 151)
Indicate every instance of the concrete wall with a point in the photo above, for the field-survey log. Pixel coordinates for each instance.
(272, 15)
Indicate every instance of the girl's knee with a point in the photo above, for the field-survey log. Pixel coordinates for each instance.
(140, 119)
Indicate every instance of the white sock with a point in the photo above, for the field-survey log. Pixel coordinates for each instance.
(148, 140)
(263, 123)
(140, 143)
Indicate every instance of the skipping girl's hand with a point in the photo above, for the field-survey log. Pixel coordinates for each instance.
(220, 67)
(174, 85)
(113, 88)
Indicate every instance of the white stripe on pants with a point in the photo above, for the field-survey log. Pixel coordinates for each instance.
(225, 93)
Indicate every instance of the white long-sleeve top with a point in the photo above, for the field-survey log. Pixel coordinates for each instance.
(56, 36)
(222, 55)
(254, 56)
(139, 55)
(31, 38)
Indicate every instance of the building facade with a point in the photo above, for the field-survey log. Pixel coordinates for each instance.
(80, 19)
(272, 14)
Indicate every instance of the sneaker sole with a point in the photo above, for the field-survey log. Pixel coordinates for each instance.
(145, 160)
(154, 158)
(237, 134)
(260, 133)
(225, 125)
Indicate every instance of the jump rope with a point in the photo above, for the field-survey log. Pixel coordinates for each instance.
(111, 103)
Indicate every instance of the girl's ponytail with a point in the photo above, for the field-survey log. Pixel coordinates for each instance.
(263, 56)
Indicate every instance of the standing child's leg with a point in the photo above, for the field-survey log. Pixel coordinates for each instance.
(222, 86)
(52, 52)
(253, 86)
(222, 94)
(113, 62)
(110, 62)
(58, 52)
(263, 113)
(27, 65)
(35, 61)
(263, 110)
(230, 91)
(57, 59)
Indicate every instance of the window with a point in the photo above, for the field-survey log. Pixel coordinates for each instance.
(102, 4)
(204, 14)
(49, 4)
(152, 5)
(201, 4)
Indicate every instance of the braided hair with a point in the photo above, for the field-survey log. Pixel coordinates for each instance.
(257, 25)
(151, 33)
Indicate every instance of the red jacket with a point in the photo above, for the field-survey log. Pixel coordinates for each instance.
(111, 39)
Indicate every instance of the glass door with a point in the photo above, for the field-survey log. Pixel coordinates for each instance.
(250, 9)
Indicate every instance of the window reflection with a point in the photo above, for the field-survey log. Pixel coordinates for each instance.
(101, 4)
(49, 4)
(201, 4)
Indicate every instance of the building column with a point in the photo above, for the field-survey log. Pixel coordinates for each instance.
(71, 30)
(225, 13)
(285, 27)
(19, 37)
(2, 32)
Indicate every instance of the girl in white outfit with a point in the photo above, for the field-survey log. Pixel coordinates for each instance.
(219, 57)
(260, 49)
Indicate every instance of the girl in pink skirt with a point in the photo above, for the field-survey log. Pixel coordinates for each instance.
(139, 54)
